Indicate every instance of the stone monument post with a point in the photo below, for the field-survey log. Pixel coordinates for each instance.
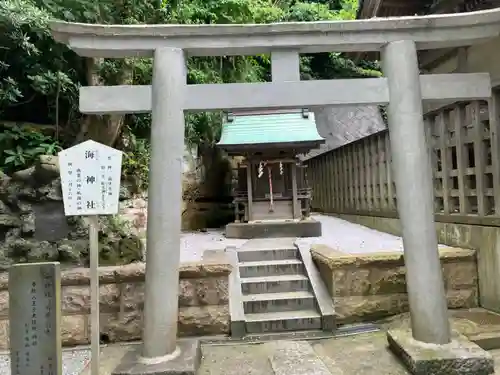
(35, 319)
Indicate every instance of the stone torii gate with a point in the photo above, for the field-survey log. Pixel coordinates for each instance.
(169, 96)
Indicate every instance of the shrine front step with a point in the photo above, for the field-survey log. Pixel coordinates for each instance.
(271, 267)
(274, 229)
(253, 254)
(276, 302)
(283, 321)
(276, 291)
(274, 284)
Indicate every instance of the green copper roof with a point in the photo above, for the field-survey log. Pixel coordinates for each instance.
(269, 128)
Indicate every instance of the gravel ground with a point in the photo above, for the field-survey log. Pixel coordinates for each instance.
(193, 244)
(352, 238)
(339, 234)
(74, 361)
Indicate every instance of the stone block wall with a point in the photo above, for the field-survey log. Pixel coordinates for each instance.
(482, 236)
(203, 302)
(366, 287)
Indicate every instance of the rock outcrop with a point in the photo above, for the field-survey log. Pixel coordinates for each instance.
(33, 226)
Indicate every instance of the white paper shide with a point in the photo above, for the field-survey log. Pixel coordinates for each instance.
(90, 179)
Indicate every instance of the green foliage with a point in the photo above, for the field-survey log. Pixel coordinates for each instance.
(135, 166)
(36, 69)
(117, 226)
(21, 146)
(40, 78)
(307, 12)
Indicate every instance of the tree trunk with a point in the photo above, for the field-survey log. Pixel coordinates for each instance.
(216, 176)
(206, 199)
(101, 128)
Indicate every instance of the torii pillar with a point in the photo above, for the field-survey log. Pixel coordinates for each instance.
(413, 178)
(165, 204)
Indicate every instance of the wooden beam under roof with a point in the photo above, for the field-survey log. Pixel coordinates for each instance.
(384, 8)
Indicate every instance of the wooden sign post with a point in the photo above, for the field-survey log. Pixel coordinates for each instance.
(90, 181)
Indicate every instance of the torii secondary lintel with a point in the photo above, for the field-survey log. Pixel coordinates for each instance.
(367, 91)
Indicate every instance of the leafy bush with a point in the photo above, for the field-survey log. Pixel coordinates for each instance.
(40, 78)
(135, 167)
(20, 147)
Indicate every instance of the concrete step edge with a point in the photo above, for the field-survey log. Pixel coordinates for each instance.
(277, 262)
(277, 296)
(273, 279)
(282, 315)
(264, 249)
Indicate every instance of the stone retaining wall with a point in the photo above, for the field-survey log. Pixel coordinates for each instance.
(203, 302)
(481, 234)
(366, 287)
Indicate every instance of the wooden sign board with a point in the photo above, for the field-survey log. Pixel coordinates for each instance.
(90, 179)
(35, 319)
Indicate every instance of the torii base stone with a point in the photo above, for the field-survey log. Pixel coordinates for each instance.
(461, 356)
(185, 361)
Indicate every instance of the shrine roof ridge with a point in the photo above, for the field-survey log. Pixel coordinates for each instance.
(266, 128)
(432, 31)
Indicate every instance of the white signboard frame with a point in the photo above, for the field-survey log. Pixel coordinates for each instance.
(90, 179)
(90, 183)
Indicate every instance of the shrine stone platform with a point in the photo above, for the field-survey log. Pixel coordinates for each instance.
(273, 229)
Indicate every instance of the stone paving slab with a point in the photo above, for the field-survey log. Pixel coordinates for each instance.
(295, 358)
(361, 354)
(364, 354)
(111, 357)
(73, 361)
(235, 360)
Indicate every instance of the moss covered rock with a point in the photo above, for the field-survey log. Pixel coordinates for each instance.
(23, 238)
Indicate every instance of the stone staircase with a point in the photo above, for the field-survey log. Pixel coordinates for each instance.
(275, 288)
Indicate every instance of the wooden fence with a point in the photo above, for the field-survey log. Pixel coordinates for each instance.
(465, 156)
